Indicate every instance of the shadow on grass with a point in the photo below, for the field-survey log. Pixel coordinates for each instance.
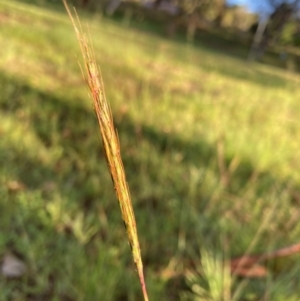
(71, 127)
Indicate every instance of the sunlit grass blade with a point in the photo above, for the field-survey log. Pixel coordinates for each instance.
(111, 144)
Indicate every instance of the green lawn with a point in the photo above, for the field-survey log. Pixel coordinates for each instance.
(211, 151)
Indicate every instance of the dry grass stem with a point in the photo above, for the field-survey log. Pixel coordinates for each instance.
(111, 144)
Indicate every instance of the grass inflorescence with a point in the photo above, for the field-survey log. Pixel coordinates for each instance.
(111, 145)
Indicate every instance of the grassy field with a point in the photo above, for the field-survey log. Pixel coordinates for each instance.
(210, 146)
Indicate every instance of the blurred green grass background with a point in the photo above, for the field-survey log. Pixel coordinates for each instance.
(210, 146)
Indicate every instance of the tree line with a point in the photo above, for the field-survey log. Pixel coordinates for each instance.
(273, 22)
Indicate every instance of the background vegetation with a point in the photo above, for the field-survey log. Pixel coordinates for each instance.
(210, 148)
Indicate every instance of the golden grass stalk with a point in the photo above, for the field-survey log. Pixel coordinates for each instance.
(111, 144)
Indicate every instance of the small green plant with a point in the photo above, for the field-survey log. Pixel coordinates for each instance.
(212, 280)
